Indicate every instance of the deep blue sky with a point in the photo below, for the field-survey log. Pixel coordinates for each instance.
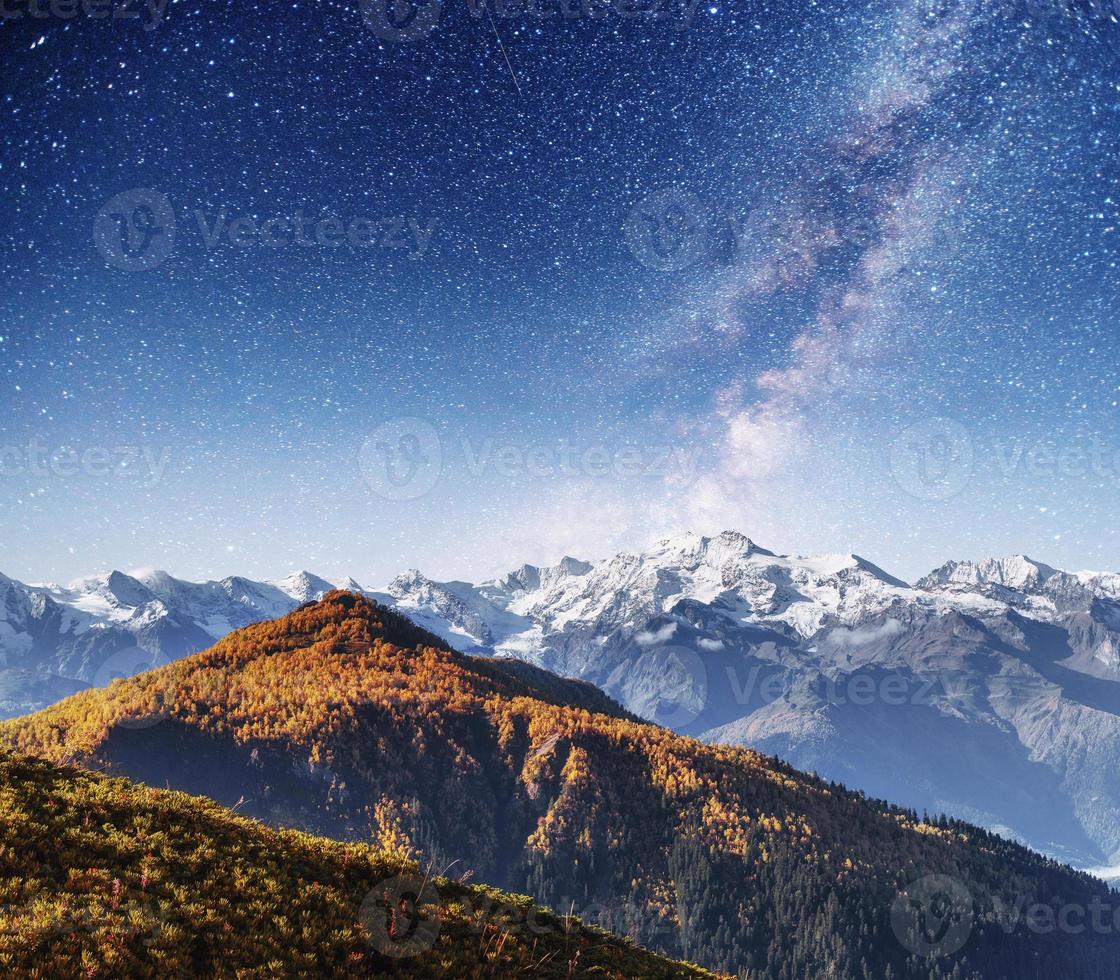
(880, 316)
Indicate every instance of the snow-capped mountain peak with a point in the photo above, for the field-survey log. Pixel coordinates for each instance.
(530, 578)
(350, 584)
(517, 613)
(303, 586)
(1023, 583)
(1015, 572)
(113, 595)
(689, 548)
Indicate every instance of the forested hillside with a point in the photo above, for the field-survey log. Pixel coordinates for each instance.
(345, 719)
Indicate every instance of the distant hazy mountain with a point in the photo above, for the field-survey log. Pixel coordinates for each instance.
(54, 639)
(990, 690)
(344, 718)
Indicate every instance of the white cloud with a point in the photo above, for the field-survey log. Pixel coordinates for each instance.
(863, 635)
(650, 638)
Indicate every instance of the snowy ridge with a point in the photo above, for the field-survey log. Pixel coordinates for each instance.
(115, 623)
(750, 585)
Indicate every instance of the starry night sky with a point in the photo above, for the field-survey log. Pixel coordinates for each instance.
(839, 275)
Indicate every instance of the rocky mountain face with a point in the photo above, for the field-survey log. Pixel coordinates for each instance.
(989, 691)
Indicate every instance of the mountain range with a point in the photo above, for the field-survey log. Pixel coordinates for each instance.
(989, 691)
(345, 719)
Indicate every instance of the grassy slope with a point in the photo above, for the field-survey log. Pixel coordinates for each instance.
(102, 878)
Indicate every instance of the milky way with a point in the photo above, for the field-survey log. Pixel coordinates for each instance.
(331, 286)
